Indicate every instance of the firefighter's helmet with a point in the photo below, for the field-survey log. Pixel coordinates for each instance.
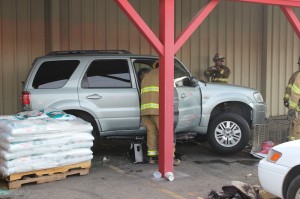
(155, 64)
(217, 57)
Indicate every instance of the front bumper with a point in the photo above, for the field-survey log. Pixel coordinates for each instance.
(271, 177)
(259, 113)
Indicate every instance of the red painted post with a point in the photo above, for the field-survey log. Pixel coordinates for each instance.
(166, 86)
(292, 18)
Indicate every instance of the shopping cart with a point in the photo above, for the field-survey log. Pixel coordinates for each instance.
(274, 130)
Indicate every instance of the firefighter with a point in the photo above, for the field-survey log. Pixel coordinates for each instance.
(150, 112)
(291, 101)
(218, 72)
(141, 74)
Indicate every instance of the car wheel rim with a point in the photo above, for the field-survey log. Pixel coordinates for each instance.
(228, 133)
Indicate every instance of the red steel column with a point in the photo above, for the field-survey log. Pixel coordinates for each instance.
(166, 86)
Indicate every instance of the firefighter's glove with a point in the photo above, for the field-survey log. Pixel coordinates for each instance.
(291, 114)
(286, 103)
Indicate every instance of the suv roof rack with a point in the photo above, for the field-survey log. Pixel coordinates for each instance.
(76, 52)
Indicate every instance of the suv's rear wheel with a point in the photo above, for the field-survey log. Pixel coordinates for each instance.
(87, 117)
(228, 133)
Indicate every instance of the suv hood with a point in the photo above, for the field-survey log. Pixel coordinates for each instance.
(226, 92)
(226, 87)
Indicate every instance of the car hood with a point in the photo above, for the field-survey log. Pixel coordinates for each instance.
(226, 92)
(226, 87)
(286, 146)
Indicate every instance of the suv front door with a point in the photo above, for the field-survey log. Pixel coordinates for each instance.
(189, 98)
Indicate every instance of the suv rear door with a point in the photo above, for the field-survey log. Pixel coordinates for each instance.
(50, 84)
(109, 91)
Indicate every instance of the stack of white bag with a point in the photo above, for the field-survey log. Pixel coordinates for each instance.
(43, 139)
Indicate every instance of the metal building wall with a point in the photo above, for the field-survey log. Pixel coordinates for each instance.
(31, 28)
(22, 38)
(282, 50)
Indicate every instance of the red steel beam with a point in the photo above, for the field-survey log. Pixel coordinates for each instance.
(166, 86)
(194, 24)
(140, 25)
(293, 3)
(292, 18)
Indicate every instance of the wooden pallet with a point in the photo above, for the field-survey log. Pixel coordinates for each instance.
(15, 181)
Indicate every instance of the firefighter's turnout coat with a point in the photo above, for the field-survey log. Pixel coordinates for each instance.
(150, 109)
(217, 75)
(292, 94)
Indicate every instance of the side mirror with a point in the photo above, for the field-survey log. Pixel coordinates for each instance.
(194, 82)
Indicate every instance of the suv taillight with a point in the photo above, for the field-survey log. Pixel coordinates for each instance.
(25, 99)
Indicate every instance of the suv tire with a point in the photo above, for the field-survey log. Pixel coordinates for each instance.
(86, 117)
(228, 133)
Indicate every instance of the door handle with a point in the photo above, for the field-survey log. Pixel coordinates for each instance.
(183, 96)
(94, 96)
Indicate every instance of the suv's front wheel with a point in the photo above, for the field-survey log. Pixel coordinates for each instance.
(228, 133)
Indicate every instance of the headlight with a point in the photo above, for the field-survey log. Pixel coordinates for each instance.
(273, 156)
(258, 97)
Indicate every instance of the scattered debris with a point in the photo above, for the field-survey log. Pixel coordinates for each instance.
(235, 190)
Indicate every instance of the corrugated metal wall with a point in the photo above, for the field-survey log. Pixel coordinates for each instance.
(22, 38)
(253, 38)
(280, 61)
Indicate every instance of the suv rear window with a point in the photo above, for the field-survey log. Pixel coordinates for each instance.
(107, 74)
(54, 74)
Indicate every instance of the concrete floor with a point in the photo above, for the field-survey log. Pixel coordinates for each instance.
(201, 170)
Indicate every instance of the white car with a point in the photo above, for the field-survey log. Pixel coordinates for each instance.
(279, 172)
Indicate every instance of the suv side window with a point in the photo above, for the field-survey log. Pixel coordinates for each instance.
(107, 74)
(181, 75)
(54, 74)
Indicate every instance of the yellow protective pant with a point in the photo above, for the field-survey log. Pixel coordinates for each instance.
(151, 122)
(295, 128)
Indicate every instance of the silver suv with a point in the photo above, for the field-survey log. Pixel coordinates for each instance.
(102, 88)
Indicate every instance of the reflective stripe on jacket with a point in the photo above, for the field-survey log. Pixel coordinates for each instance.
(222, 80)
(288, 88)
(294, 99)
